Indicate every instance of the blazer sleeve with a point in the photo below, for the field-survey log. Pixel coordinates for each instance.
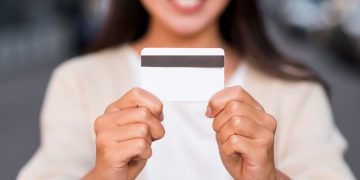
(66, 150)
(312, 146)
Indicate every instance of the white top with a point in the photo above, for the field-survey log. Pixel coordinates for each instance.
(189, 145)
(307, 143)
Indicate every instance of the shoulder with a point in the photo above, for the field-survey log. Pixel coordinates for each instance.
(299, 89)
(93, 80)
(98, 63)
(279, 95)
(260, 79)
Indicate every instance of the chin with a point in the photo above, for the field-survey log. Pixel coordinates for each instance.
(186, 28)
(186, 32)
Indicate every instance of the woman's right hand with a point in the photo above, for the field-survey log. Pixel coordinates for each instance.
(124, 134)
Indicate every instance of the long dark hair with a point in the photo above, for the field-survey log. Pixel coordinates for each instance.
(241, 26)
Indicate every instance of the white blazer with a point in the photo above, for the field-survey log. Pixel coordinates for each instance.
(308, 145)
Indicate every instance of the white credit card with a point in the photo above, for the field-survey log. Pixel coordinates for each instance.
(182, 74)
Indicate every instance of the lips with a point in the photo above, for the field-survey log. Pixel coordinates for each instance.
(187, 6)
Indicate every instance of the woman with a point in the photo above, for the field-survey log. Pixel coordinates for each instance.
(273, 121)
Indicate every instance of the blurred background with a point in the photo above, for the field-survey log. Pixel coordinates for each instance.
(37, 35)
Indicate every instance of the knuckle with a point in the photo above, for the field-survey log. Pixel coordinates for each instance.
(234, 140)
(111, 108)
(146, 153)
(141, 145)
(239, 124)
(234, 106)
(223, 150)
(212, 104)
(221, 137)
(216, 126)
(136, 91)
(98, 123)
(145, 113)
(218, 137)
(236, 122)
(272, 122)
(142, 129)
(239, 91)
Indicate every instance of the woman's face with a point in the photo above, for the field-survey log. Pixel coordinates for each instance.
(185, 17)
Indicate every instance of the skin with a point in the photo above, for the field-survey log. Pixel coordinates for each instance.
(244, 131)
(244, 134)
(129, 125)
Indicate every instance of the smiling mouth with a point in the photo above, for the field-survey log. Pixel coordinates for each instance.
(187, 6)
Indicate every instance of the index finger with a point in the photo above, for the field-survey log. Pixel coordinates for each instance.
(138, 97)
(218, 102)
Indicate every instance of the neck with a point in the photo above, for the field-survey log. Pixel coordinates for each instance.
(159, 36)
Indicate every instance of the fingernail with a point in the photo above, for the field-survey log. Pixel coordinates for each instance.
(162, 117)
(208, 112)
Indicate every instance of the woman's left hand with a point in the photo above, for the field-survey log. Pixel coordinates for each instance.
(244, 133)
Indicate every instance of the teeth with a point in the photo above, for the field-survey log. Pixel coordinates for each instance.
(187, 3)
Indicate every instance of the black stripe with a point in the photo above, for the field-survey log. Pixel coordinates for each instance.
(182, 61)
